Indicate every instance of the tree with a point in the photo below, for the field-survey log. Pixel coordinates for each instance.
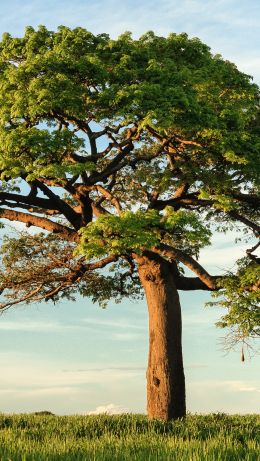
(127, 154)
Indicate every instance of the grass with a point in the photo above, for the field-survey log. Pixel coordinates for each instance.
(217, 437)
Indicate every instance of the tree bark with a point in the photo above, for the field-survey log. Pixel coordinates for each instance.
(165, 374)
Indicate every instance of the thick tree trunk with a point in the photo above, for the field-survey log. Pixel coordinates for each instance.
(165, 374)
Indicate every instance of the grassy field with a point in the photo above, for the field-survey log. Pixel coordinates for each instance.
(129, 437)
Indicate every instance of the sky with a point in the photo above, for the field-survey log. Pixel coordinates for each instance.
(78, 358)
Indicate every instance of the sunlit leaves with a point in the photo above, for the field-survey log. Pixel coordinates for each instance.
(129, 232)
(33, 152)
(135, 232)
(185, 230)
(172, 84)
(240, 295)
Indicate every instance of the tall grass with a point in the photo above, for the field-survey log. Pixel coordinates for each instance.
(217, 437)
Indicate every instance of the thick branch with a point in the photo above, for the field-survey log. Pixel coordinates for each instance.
(28, 200)
(188, 261)
(178, 202)
(252, 199)
(101, 263)
(106, 193)
(115, 165)
(195, 283)
(64, 232)
(170, 139)
(63, 207)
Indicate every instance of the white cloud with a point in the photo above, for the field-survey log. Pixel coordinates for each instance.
(249, 389)
(109, 409)
(125, 336)
(121, 323)
(111, 368)
(34, 326)
(31, 373)
(229, 396)
(95, 324)
(41, 391)
(238, 386)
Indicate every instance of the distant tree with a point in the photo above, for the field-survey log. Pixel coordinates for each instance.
(128, 154)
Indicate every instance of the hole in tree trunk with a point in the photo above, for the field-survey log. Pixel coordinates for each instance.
(156, 381)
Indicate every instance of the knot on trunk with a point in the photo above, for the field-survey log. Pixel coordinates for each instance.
(156, 381)
(150, 277)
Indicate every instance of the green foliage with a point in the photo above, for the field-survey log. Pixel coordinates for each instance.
(139, 231)
(129, 232)
(222, 201)
(172, 84)
(213, 437)
(197, 124)
(185, 230)
(34, 152)
(240, 295)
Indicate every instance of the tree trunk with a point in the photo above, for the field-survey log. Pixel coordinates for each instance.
(165, 374)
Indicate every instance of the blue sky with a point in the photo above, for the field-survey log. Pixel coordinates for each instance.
(76, 357)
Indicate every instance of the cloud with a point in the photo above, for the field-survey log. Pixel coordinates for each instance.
(227, 386)
(125, 336)
(29, 383)
(95, 325)
(229, 396)
(109, 409)
(123, 323)
(112, 368)
(36, 327)
(30, 373)
(249, 389)
(41, 391)
(238, 386)
(223, 22)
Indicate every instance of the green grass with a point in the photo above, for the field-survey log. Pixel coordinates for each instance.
(217, 437)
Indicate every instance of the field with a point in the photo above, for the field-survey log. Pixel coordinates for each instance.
(217, 437)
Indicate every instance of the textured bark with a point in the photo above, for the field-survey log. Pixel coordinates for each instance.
(165, 374)
(31, 220)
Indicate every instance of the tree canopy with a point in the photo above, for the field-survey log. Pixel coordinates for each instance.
(122, 148)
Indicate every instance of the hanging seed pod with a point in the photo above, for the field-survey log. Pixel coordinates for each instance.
(242, 355)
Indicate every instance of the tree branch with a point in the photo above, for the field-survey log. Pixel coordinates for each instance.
(113, 166)
(107, 194)
(101, 263)
(64, 232)
(188, 261)
(30, 295)
(178, 202)
(195, 283)
(28, 200)
(235, 215)
(68, 212)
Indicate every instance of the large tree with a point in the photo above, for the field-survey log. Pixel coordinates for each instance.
(128, 154)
